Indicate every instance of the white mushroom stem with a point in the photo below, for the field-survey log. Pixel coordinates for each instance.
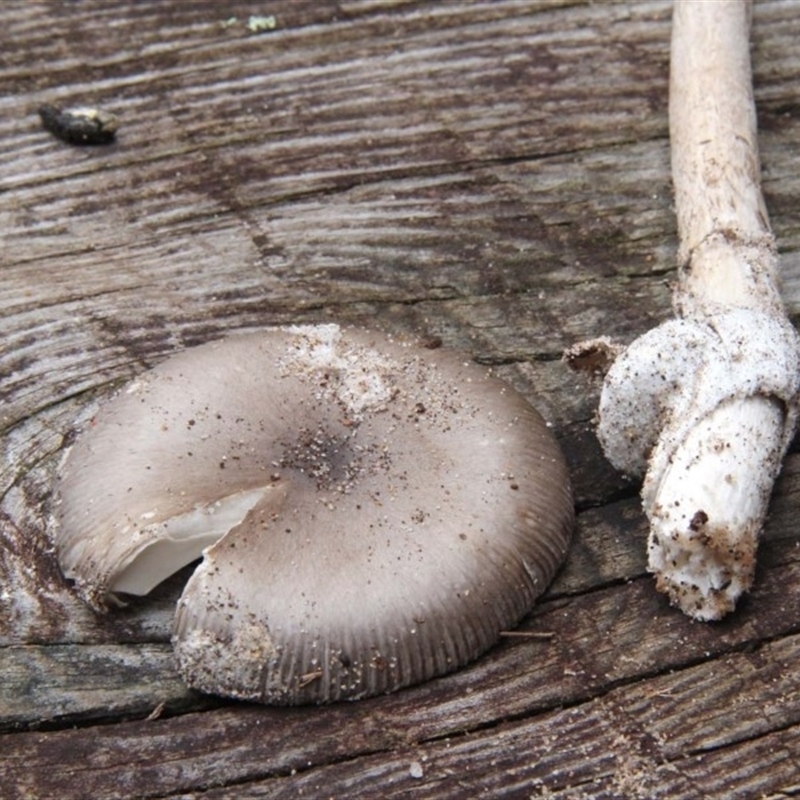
(727, 251)
(706, 404)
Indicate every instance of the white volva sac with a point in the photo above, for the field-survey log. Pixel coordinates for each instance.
(707, 411)
(705, 405)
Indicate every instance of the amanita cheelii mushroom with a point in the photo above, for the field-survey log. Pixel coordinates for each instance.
(370, 514)
(706, 404)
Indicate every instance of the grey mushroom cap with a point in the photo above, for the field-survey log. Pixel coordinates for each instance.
(370, 514)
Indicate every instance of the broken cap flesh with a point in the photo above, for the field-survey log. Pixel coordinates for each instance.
(370, 514)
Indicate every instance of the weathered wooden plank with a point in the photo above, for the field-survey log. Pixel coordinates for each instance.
(494, 175)
(766, 767)
(616, 745)
(598, 642)
(57, 684)
(374, 242)
(611, 747)
(410, 242)
(743, 695)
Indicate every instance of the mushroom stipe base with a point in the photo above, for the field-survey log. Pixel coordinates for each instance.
(370, 514)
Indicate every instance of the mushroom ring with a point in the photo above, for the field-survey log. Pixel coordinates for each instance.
(369, 514)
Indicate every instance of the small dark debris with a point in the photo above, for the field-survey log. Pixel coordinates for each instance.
(698, 520)
(80, 126)
(594, 356)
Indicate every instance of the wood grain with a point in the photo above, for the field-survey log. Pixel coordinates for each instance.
(491, 175)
